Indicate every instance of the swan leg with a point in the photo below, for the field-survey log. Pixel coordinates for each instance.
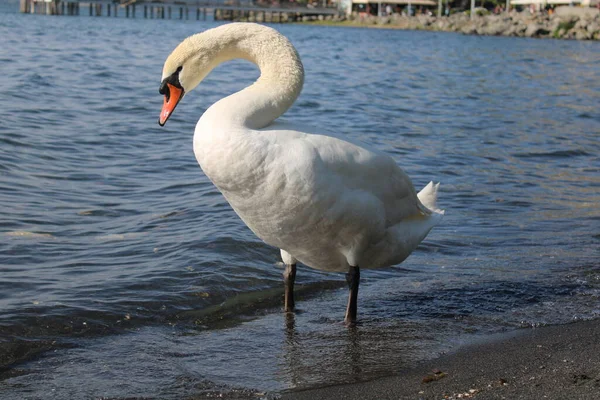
(289, 277)
(353, 279)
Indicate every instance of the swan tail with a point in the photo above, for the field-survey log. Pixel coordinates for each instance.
(428, 197)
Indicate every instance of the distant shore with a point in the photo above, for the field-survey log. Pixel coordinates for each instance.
(555, 362)
(565, 23)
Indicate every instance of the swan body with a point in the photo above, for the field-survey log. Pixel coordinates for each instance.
(323, 200)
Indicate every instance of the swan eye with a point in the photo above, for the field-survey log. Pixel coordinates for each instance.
(173, 79)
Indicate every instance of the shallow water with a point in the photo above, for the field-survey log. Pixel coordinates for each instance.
(125, 273)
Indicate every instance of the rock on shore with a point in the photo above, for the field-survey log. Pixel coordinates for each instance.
(566, 23)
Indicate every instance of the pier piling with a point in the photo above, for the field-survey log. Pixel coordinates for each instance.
(163, 9)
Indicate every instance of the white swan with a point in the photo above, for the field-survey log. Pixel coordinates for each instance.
(325, 201)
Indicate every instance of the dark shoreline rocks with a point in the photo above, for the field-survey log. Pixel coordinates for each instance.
(565, 23)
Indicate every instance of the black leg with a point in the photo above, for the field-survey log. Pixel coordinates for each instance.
(289, 276)
(353, 279)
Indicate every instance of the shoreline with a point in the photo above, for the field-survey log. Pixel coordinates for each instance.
(551, 362)
(573, 23)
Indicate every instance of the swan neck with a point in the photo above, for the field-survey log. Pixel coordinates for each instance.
(281, 75)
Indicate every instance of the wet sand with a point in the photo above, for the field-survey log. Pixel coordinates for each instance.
(555, 362)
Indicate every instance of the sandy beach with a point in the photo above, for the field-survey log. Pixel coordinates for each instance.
(554, 362)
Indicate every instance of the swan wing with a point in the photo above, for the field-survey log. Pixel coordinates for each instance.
(348, 168)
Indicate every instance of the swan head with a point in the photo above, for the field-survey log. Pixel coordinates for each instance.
(184, 69)
(173, 91)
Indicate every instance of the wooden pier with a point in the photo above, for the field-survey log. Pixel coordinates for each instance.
(248, 10)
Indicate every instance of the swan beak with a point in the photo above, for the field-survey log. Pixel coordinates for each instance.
(172, 96)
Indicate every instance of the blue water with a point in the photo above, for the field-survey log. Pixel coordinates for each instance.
(124, 273)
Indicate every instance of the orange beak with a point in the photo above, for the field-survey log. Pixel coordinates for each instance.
(172, 97)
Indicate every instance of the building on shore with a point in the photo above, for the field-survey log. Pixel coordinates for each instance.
(539, 5)
(387, 7)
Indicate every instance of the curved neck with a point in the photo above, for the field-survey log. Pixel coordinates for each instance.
(281, 75)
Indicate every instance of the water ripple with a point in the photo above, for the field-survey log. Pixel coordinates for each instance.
(109, 226)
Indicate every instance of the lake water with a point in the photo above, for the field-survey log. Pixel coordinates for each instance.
(124, 273)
